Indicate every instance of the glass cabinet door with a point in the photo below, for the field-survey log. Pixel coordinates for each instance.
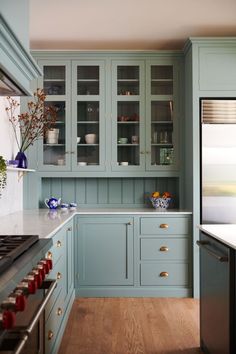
(88, 133)
(55, 145)
(160, 134)
(128, 116)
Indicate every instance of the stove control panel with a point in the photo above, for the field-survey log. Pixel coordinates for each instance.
(17, 300)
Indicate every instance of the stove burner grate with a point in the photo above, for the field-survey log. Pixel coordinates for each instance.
(12, 246)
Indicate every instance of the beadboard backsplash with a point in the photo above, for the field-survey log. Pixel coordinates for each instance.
(112, 192)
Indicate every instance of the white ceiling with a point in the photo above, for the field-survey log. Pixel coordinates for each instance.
(127, 24)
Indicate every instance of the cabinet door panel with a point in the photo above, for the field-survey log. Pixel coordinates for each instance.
(161, 115)
(55, 146)
(128, 119)
(88, 107)
(105, 251)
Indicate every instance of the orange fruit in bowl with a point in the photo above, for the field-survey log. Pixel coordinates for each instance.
(166, 195)
(156, 194)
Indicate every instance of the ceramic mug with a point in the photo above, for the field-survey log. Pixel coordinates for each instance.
(73, 206)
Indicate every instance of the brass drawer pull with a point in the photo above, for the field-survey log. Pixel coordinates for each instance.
(164, 274)
(50, 335)
(59, 311)
(164, 226)
(49, 255)
(59, 244)
(59, 276)
(164, 249)
(129, 223)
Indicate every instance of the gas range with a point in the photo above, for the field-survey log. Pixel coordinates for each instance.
(24, 292)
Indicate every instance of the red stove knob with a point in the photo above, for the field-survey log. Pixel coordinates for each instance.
(32, 282)
(20, 302)
(50, 264)
(41, 271)
(37, 276)
(45, 265)
(8, 319)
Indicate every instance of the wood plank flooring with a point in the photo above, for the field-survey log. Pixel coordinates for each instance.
(132, 326)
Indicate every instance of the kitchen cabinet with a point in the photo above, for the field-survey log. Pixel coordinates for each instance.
(58, 308)
(118, 114)
(133, 255)
(165, 252)
(217, 296)
(88, 112)
(55, 152)
(105, 251)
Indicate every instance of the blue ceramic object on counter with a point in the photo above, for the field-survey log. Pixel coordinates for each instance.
(52, 203)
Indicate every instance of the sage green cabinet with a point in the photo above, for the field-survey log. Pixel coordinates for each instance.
(54, 149)
(88, 112)
(132, 256)
(59, 305)
(105, 251)
(118, 113)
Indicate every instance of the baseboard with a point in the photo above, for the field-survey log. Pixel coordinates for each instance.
(133, 292)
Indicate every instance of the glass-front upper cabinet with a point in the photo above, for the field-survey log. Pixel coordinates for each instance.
(88, 125)
(55, 145)
(161, 152)
(128, 136)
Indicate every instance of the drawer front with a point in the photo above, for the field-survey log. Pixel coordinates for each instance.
(58, 273)
(164, 226)
(162, 248)
(53, 324)
(164, 274)
(58, 248)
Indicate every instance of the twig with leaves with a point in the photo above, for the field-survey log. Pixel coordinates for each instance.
(32, 124)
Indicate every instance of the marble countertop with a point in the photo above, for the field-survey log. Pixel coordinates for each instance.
(46, 223)
(225, 233)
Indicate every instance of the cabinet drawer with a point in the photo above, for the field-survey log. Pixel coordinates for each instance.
(154, 274)
(53, 324)
(164, 226)
(162, 248)
(58, 247)
(58, 273)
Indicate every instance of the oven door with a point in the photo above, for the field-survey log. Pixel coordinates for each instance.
(27, 337)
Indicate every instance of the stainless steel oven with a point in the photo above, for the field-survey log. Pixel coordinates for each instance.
(25, 289)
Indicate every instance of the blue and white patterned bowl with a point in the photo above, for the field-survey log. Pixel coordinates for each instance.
(162, 203)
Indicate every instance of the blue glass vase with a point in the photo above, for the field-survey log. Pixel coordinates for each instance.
(22, 160)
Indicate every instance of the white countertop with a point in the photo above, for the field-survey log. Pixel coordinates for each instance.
(46, 223)
(225, 233)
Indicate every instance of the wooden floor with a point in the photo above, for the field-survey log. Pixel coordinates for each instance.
(132, 326)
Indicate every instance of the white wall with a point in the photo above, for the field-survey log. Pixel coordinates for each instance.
(12, 196)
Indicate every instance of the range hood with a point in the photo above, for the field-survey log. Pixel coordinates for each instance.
(8, 87)
(17, 67)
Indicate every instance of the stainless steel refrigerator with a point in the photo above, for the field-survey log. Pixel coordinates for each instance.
(218, 161)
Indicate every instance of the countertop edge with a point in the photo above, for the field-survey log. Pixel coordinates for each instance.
(224, 229)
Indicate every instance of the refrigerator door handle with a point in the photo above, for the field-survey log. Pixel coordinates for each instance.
(213, 254)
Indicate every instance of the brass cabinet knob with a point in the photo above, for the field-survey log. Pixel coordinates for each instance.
(148, 152)
(59, 244)
(59, 276)
(164, 274)
(49, 255)
(129, 223)
(50, 334)
(59, 311)
(164, 249)
(164, 226)
(69, 229)
(142, 152)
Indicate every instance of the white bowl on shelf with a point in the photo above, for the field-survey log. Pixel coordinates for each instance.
(90, 138)
(82, 163)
